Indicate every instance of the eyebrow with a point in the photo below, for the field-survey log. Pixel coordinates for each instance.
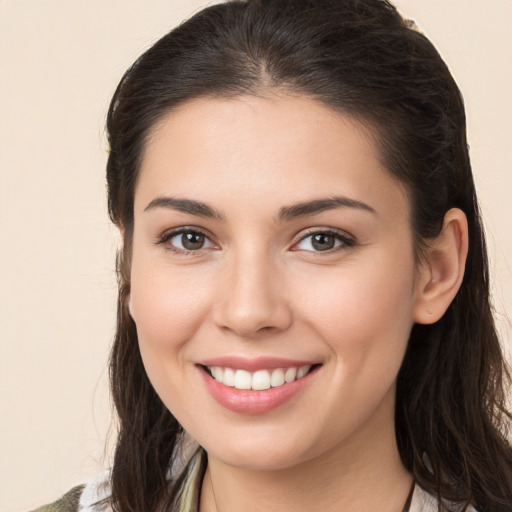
(189, 206)
(319, 205)
(293, 211)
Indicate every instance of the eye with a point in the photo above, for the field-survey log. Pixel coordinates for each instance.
(186, 240)
(322, 241)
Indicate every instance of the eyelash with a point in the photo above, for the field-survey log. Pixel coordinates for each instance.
(169, 235)
(345, 240)
(342, 238)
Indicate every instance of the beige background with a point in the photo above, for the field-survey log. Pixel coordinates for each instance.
(59, 62)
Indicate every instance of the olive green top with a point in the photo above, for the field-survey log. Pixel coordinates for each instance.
(68, 503)
(94, 496)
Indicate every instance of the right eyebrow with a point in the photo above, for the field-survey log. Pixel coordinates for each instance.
(189, 206)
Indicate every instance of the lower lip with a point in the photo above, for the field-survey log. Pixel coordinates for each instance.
(254, 402)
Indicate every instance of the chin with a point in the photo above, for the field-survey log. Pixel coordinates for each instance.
(260, 450)
(258, 458)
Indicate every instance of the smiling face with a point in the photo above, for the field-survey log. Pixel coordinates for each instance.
(273, 279)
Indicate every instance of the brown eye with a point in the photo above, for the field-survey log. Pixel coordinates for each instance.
(192, 241)
(188, 240)
(323, 241)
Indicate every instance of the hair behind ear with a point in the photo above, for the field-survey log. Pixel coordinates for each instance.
(451, 418)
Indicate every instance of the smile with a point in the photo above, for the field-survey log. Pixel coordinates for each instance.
(256, 386)
(259, 380)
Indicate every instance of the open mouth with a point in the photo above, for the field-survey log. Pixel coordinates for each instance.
(260, 379)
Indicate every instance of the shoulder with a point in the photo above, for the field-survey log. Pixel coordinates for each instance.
(94, 497)
(83, 498)
(422, 501)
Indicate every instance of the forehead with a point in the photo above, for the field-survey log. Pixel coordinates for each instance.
(292, 147)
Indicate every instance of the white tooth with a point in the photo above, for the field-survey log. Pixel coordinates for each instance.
(277, 378)
(229, 377)
(260, 380)
(303, 370)
(290, 374)
(242, 379)
(217, 373)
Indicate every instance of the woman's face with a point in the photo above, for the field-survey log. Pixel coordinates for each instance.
(269, 243)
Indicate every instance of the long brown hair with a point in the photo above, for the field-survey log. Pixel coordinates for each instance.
(359, 57)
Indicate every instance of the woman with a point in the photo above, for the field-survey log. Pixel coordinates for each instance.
(303, 279)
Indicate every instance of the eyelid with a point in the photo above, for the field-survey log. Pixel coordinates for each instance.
(166, 236)
(346, 238)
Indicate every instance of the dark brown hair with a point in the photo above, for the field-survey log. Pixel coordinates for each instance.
(361, 58)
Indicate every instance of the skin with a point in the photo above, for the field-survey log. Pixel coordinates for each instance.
(258, 287)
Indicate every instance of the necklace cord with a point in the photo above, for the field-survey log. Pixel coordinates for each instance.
(213, 492)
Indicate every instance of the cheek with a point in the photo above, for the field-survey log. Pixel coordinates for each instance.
(364, 312)
(365, 319)
(165, 305)
(168, 308)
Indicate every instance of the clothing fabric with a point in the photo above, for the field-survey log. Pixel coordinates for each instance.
(86, 498)
(68, 502)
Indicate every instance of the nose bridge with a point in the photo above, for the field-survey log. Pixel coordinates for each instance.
(253, 300)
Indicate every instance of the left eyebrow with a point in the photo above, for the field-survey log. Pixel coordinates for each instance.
(319, 205)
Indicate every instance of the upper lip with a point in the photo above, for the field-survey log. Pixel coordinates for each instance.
(255, 364)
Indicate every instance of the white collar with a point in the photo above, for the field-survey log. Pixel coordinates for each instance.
(95, 491)
(422, 501)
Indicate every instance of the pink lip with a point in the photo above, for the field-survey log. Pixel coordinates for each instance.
(254, 402)
(255, 364)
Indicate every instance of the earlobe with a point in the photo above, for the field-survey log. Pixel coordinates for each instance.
(442, 271)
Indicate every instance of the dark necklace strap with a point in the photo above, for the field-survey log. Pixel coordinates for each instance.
(408, 501)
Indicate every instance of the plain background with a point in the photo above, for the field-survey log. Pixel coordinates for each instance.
(60, 61)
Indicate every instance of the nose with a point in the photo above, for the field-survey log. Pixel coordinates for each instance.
(252, 299)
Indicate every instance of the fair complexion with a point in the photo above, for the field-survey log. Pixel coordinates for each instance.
(268, 236)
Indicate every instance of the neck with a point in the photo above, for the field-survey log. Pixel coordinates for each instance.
(351, 477)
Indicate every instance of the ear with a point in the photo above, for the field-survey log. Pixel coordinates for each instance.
(442, 271)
